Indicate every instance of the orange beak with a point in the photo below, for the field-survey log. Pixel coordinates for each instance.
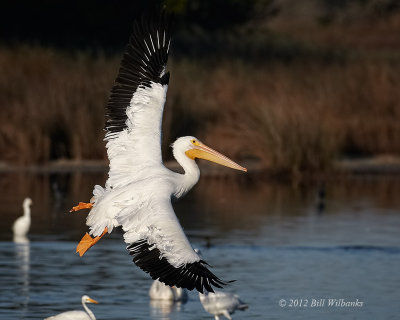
(201, 151)
(92, 301)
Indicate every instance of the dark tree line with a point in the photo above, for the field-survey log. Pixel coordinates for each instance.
(107, 24)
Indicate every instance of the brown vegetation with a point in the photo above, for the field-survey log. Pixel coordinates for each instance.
(52, 104)
(295, 116)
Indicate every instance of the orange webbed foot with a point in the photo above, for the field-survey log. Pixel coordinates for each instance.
(82, 205)
(87, 242)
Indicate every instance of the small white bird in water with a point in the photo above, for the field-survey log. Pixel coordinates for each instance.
(222, 303)
(22, 224)
(77, 314)
(160, 291)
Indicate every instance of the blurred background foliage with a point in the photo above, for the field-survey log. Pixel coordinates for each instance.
(289, 85)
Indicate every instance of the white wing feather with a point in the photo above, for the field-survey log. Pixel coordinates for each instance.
(139, 145)
(158, 223)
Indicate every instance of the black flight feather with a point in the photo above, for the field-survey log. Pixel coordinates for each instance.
(189, 276)
(142, 64)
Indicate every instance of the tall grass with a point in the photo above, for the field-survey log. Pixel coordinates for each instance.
(296, 116)
(52, 104)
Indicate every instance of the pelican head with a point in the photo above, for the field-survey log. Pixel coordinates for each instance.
(193, 148)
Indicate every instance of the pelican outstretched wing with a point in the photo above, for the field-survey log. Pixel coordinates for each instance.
(136, 102)
(160, 247)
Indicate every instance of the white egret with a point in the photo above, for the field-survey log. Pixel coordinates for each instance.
(138, 192)
(160, 291)
(22, 224)
(221, 303)
(77, 314)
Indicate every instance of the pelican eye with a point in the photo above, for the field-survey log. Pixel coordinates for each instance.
(193, 141)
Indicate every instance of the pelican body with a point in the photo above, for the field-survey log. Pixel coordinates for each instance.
(22, 224)
(77, 314)
(137, 194)
(222, 303)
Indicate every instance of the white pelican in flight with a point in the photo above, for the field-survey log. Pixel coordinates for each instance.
(138, 192)
(22, 224)
(77, 314)
(222, 303)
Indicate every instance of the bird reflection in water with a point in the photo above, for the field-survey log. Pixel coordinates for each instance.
(165, 299)
(161, 309)
(222, 304)
(22, 257)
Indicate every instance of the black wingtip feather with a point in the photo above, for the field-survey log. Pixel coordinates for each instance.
(143, 63)
(189, 276)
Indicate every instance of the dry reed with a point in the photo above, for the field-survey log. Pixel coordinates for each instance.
(297, 116)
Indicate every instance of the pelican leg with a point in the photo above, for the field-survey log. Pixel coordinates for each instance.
(87, 242)
(226, 314)
(82, 205)
(216, 317)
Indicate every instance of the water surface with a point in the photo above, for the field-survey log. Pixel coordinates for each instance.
(279, 241)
